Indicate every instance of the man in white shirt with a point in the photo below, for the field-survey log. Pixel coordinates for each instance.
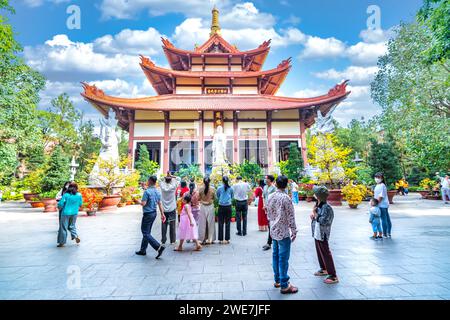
(241, 190)
(445, 187)
(168, 186)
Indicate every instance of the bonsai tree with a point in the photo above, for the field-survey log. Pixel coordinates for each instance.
(57, 171)
(110, 176)
(144, 165)
(293, 168)
(354, 194)
(33, 181)
(330, 158)
(249, 171)
(383, 158)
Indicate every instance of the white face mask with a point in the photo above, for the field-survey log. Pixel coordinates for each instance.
(378, 180)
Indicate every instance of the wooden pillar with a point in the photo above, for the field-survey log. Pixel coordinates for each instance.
(201, 142)
(131, 140)
(166, 142)
(269, 139)
(303, 138)
(235, 138)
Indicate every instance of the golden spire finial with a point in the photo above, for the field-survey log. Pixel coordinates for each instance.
(215, 25)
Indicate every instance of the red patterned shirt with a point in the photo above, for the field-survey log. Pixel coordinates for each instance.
(281, 214)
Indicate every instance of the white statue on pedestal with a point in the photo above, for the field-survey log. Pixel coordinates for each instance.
(219, 147)
(110, 145)
(324, 124)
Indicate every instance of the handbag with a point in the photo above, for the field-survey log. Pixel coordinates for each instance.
(317, 233)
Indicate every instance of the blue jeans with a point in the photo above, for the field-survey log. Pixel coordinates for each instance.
(295, 197)
(280, 261)
(67, 223)
(386, 221)
(376, 225)
(146, 228)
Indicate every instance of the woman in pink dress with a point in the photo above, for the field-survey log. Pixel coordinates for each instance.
(262, 217)
(188, 228)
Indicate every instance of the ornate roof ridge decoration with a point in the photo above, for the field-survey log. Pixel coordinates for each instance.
(166, 42)
(339, 88)
(92, 90)
(265, 44)
(149, 64)
(216, 40)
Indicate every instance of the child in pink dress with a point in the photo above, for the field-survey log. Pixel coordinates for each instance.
(188, 228)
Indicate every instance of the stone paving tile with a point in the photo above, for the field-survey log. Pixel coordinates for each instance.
(425, 289)
(246, 296)
(221, 286)
(201, 296)
(411, 265)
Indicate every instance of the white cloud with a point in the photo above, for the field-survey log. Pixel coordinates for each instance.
(146, 42)
(308, 93)
(376, 35)
(318, 48)
(366, 53)
(246, 15)
(357, 75)
(61, 59)
(125, 9)
(37, 3)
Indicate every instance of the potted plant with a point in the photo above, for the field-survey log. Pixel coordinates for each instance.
(32, 184)
(91, 200)
(392, 191)
(36, 202)
(308, 191)
(111, 178)
(49, 200)
(426, 187)
(301, 195)
(354, 194)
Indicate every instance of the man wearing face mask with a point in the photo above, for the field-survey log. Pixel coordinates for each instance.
(380, 193)
(168, 186)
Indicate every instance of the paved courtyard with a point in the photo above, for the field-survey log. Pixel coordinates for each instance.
(414, 264)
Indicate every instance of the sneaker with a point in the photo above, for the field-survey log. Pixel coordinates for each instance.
(160, 252)
(60, 245)
(379, 238)
(239, 234)
(389, 236)
(267, 247)
(141, 253)
(385, 236)
(373, 238)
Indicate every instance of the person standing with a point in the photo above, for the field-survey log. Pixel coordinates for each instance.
(71, 201)
(150, 200)
(322, 219)
(240, 191)
(225, 195)
(281, 215)
(445, 187)
(1, 195)
(188, 228)
(269, 188)
(380, 193)
(59, 196)
(262, 217)
(168, 186)
(195, 202)
(181, 190)
(294, 190)
(207, 218)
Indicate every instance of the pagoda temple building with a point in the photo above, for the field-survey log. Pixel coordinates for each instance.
(215, 85)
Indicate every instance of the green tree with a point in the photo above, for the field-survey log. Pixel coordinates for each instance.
(144, 165)
(19, 94)
(249, 171)
(123, 144)
(414, 95)
(191, 171)
(294, 165)
(8, 162)
(89, 148)
(357, 136)
(57, 171)
(435, 15)
(383, 158)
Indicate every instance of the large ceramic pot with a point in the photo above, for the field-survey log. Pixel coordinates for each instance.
(109, 203)
(391, 195)
(37, 204)
(353, 206)
(29, 196)
(424, 194)
(335, 197)
(50, 205)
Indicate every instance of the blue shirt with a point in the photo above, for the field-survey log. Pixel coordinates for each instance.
(71, 204)
(152, 197)
(224, 196)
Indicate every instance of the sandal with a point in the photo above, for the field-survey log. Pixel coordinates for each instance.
(277, 285)
(178, 249)
(289, 290)
(198, 248)
(331, 280)
(321, 273)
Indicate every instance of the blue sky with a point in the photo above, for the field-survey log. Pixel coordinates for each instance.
(329, 41)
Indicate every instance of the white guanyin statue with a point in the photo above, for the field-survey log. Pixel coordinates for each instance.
(324, 124)
(109, 151)
(219, 147)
